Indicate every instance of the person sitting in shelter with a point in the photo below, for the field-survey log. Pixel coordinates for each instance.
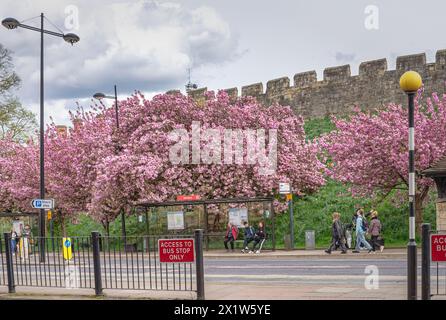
(259, 238)
(231, 236)
(249, 236)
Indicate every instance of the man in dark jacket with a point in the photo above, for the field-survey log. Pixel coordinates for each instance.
(249, 236)
(337, 235)
(259, 238)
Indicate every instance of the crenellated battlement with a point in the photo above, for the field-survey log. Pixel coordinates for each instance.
(373, 68)
(339, 92)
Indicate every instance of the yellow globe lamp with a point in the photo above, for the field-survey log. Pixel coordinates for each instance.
(411, 81)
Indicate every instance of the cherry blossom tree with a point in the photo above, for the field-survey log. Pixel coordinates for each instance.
(143, 171)
(100, 169)
(369, 150)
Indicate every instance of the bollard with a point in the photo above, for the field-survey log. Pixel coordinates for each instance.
(96, 263)
(425, 262)
(199, 263)
(9, 265)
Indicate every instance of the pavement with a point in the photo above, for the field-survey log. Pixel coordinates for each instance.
(301, 253)
(291, 275)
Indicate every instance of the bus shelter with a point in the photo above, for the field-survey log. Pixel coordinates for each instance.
(205, 203)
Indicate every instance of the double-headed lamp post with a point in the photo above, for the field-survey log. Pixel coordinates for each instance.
(101, 96)
(11, 23)
(410, 83)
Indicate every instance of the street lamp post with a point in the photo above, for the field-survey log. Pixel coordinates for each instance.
(410, 82)
(101, 96)
(11, 23)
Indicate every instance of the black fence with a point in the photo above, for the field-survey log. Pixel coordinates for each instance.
(3, 274)
(98, 262)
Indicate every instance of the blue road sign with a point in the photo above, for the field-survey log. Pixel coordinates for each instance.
(43, 204)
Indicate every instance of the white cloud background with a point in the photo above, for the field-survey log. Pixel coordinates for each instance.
(138, 45)
(148, 45)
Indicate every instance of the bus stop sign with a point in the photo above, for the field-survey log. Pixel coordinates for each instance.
(176, 250)
(438, 247)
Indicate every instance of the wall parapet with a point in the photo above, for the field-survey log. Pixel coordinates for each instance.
(339, 92)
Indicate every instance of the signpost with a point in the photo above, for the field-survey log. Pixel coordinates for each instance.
(46, 204)
(176, 250)
(285, 188)
(438, 247)
(67, 251)
(192, 197)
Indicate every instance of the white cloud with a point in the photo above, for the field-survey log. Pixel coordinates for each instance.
(138, 45)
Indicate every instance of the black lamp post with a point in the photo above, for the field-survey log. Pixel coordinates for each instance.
(11, 23)
(101, 96)
(410, 82)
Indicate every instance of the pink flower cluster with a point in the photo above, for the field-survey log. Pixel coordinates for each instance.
(370, 149)
(98, 169)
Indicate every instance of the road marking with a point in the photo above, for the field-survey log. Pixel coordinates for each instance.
(335, 290)
(279, 267)
(306, 277)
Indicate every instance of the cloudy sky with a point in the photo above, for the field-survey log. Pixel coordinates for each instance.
(149, 45)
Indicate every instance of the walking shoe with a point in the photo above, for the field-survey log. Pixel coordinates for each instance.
(251, 251)
(327, 251)
(343, 252)
(243, 250)
(381, 248)
(355, 251)
(258, 251)
(371, 251)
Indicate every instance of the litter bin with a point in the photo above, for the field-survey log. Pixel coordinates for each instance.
(287, 241)
(310, 243)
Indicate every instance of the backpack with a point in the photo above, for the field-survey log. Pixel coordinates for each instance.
(364, 224)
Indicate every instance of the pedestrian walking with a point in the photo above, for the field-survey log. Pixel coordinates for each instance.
(25, 242)
(14, 238)
(259, 238)
(360, 233)
(337, 234)
(249, 236)
(231, 236)
(351, 227)
(374, 231)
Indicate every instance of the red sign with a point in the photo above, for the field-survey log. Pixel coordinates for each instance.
(176, 250)
(192, 197)
(438, 247)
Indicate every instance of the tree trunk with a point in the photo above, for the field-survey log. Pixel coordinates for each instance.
(107, 228)
(62, 226)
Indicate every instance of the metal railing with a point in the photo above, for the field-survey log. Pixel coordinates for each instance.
(137, 265)
(3, 274)
(98, 262)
